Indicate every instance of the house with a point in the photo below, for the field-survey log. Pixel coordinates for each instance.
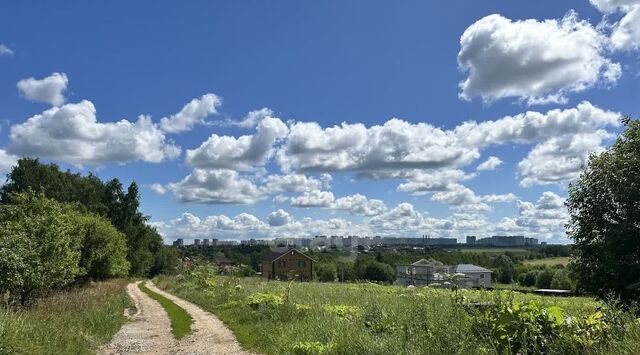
(431, 272)
(287, 265)
(474, 276)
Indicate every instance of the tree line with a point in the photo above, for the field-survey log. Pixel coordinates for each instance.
(58, 228)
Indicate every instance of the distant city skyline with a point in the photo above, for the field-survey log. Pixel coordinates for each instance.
(298, 119)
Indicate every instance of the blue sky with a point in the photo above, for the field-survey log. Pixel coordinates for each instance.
(324, 63)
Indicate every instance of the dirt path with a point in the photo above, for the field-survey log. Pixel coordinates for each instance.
(149, 330)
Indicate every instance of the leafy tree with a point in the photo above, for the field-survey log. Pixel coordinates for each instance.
(144, 244)
(104, 248)
(529, 279)
(326, 272)
(561, 280)
(604, 205)
(38, 249)
(544, 278)
(377, 271)
(504, 269)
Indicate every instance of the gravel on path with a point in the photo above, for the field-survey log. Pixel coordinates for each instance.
(149, 330)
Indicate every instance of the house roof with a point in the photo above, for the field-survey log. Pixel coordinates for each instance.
(425, 262)
(221, 259)
(274, 255)
(464, 268)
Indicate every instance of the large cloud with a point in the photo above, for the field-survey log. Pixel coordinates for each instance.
(626, 31)
(360, 205)
(353, 147)
(71, 133)
(218, 186)
(194, 112)
(537, 61)
(429, 158)
(243, 153)
(49, 90)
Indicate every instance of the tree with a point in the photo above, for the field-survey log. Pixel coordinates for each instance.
(377, 271)
(544, 278)
(144, 245)
(604, 208)
(561, 280)
(38, 248)
(104, 248)
(326, 272)
(504, 269)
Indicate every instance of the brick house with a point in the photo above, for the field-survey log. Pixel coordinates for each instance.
(287, 265)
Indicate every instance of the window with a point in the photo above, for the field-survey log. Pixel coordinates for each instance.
(282, 263)
(482, 276)
(302, 264)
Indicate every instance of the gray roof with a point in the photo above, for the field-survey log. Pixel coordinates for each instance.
(464, 268)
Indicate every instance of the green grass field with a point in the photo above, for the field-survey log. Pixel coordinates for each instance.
(71, 322)
(328, 318)
(559, 260)
(180, 320)
(493, 250)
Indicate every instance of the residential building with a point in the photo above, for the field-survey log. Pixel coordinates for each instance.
(471, 240)
(430, 272)
(196, 242)
(206, 242)
(178, 242)
(287, 265)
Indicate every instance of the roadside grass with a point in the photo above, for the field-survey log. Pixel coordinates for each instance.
(329, 318)
(494, 250)
(558, 260)
(180, 319)
(76, 321)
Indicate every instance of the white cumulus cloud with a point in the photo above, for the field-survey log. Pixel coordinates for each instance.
(537, 61)
(71, 133)
(49, 90)
(194, 112)
(490, 164)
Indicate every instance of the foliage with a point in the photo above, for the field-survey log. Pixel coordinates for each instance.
(265, 300)
(75, 321)
(326, 272)
(504, 269)
(604, 206)
(342, 310)
(38, 249)
(545, 278)
(104, 249)
(105, 199)
(377, 271)
(180, 320)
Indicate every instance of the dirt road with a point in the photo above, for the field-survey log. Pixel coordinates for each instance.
(149, 330)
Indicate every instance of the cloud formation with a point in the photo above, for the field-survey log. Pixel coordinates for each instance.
(72, 133)
(490, 164)
(194, 112)
(48, 90)
(625, 33)
(539, 62)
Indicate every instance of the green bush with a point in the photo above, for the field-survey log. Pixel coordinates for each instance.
(544, 278)
(312, 348)
(104, 249)
(38, 248)
(265, 300)
(326, 272)
(377, 271)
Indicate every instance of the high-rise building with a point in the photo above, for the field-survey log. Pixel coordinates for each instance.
(196, 242)
(471, 240)
(178, 242)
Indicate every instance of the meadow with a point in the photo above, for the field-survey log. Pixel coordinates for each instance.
(559, 260)
(331, 318)
(75, 321)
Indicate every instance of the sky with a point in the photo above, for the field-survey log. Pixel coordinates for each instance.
(253, 119)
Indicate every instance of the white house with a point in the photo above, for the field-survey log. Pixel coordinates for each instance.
(429, 272)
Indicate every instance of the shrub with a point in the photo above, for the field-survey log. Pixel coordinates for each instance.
(38, 250)
(561, 280)
(544, 278)
(104, 249)
(265, 300)
(377, 271)
(326, 272)
(342, 310)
